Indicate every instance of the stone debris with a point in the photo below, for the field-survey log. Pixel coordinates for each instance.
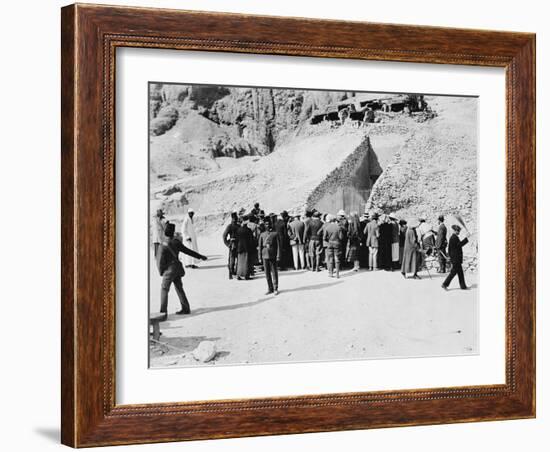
(205, 351)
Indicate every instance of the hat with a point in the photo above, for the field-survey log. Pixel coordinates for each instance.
(316, 214)
(393, 216)
(329, 218)
(169, 229)
(456, 227)
(190, 210)
(341, 213)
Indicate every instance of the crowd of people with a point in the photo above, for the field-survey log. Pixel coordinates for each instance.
(312, 241)
(315, 241)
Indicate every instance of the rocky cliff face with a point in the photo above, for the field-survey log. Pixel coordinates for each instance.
(435, 171)
(251, 121)
(220, 149)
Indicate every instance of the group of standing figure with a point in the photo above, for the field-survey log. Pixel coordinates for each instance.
(313, 241)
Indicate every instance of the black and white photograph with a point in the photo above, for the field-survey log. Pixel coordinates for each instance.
(295, 225)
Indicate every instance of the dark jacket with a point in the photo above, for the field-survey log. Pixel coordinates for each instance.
(441, 240)
(296, 230)
(245, 239)
(311, 231)
(280, 227)
(230, 236)
(168, 252)
(269, 246)
(333, 235)
(455, 248)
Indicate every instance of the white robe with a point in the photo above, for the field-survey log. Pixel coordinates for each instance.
(189, 240)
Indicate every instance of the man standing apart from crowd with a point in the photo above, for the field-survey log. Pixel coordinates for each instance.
(230, 240)
(269, 252)
(296, 234)
(372, 233)
(441, 244)
(190, 237)
(332, 236)
(158, 230)
(456, 256)
(171, 269)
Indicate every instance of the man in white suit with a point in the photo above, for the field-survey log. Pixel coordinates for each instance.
(189, 236)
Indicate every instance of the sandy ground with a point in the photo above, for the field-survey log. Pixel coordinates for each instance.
(359, 316)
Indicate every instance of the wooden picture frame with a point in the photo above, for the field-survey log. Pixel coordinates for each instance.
(90, 36)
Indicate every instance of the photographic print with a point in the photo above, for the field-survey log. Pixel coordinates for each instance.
(295, 225)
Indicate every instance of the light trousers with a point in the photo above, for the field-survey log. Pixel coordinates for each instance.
(298, 256)
(373, 257)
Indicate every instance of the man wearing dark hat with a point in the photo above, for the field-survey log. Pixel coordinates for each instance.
(158, 230)
(230, 240)
(441, 244)
(332, 236)
(455, 254)
(171, 268)
(314, 241)
(296, 230)
(281, 228)
(269, 253)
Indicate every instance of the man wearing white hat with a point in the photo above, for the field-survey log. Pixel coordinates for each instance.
(189, 238)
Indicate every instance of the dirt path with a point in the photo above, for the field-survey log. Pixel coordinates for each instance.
(361, 315)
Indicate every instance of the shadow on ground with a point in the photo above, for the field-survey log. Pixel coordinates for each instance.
(202, 311)
(178, 345)
(312, 287)
(52, 434)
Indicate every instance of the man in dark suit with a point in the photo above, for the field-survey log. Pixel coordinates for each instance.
(441, 244)
(456, 256)
(269, 252)
(171, 268)
(315, 243)
(281, 228)
(230, 240)
(332, 236)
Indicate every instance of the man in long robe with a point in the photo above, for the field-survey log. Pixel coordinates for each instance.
(190, 238)
(158, 230)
